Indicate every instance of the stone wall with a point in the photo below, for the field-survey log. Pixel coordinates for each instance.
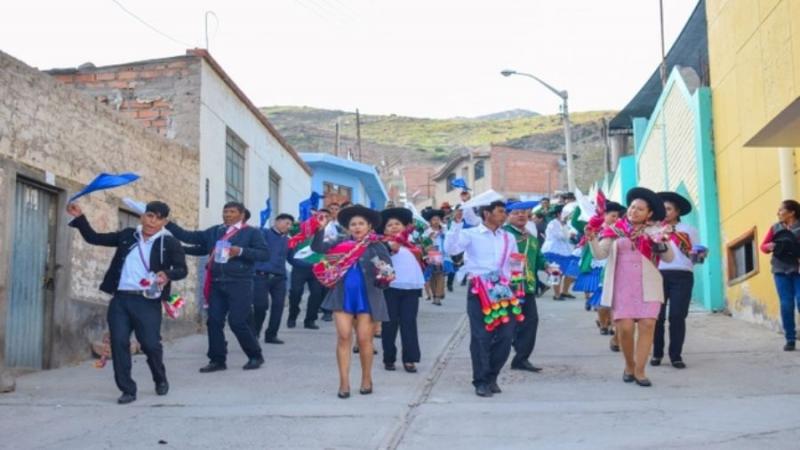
(53, 135)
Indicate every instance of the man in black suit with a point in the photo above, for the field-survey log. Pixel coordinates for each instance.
(146, 261)
(233, 250)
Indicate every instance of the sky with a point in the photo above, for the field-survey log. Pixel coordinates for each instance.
(421, 58)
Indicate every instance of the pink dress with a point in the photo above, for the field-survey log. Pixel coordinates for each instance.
(628, 301)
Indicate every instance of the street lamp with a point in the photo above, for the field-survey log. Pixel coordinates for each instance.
(567, 126)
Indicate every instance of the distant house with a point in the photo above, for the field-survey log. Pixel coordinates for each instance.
(512, 172)
(343, 180)
(192, 100)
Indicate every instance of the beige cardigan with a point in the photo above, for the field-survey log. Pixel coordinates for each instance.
(652, 284)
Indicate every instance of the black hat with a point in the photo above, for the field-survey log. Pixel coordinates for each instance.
(614, 207)
(654, 202)
(429, 214)
(372, 216)
(682, 203)
(404, 215)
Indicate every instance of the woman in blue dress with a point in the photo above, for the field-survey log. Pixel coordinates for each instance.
(360, 267)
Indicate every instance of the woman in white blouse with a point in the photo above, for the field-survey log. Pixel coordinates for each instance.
(403, 294)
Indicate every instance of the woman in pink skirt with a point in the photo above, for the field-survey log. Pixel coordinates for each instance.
(632, 285)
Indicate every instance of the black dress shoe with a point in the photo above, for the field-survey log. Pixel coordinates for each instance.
(494, 388)
(310, 326)
(613, 348)
(365, 391)
(213, 367)
(483, 390)
(291, 323)
(253, 363)
(162, 388)
(789, 347)
(272, 340)
(569, 296)
(679, 364)
(655, 362)
(410, 367)
(526, 365)
(343, 394)
(643, 382)
(124, 399)
(389, 366)
(628, 378)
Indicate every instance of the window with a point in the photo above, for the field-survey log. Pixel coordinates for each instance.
(235, 150)
(478, 171)
(128, 219)
(336, 193)
(742, 258)
(450, 177)
(275, 192)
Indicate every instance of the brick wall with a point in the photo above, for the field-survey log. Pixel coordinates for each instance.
(162, 95)
(46, 126)
(516, 172)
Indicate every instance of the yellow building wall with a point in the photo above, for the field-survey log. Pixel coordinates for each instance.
(754, 58)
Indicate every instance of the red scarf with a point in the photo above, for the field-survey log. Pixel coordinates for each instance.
(641, 240)
(403, 238)
(340, 259)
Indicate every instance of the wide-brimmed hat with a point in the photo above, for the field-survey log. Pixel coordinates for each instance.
(614, 207)
(682, 203)
(404, 215)
(654, 202)
(372, 216)
(429, 214)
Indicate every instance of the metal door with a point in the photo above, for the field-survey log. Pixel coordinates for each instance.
(32, 266)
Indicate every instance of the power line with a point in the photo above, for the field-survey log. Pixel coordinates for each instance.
(142, 21)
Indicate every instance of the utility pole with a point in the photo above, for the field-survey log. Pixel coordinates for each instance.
(663, 53)
(358, 134)
(336, 142)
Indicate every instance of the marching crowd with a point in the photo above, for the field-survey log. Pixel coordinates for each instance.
(367, 272)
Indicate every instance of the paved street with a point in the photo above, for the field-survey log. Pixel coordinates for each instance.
(724, 399)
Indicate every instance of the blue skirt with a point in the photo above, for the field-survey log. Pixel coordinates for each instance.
(568, 264)
(589, 281)
(447, 267)
(355, 292)
(596, 298)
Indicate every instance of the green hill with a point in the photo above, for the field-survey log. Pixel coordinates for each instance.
(311, 129)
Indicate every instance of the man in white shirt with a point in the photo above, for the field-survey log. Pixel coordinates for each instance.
(678, 279)
(487, 248)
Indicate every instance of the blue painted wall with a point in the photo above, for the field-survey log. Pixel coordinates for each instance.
(322, 174)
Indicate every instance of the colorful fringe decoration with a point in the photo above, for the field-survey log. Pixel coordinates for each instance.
(173, 305)
(597, 221)
(498, 302)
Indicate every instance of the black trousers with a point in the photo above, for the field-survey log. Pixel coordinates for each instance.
(403, 306)
(266, 288)
(231, 300)
(301, 277)
(525, 333)
(133, 313)
(678, 286)
(489, 351)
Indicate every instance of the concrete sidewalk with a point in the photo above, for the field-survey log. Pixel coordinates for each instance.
(740, 391)
(289, 403)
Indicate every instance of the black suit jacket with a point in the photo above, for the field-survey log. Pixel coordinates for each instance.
(166, 256)
(241, 267)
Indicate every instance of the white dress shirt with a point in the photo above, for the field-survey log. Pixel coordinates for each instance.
(557, 239)
(681, 261)
(484, 250)
(136, 265)
(408, 273)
